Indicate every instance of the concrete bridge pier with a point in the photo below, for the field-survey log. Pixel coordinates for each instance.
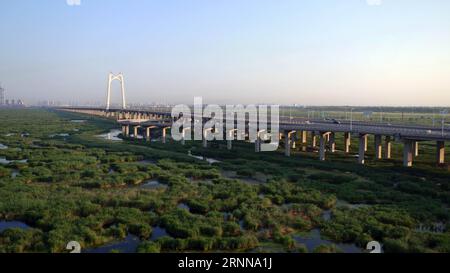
(135, 132)
(230, 139)
(164, 134)
(183, 135)
(362, 148)
(287, 142)
(313, 140)
(258, 141)
(440, 146)
(387, 147)
(125, 130)
(347, 142)
(378, 147)
(304, 139)
(408, 149)
(366, 143)
(148, 133)
(332, 141)
(258, 144)
(205, 135)
(294, 140)
(416, 148)
(322, 145)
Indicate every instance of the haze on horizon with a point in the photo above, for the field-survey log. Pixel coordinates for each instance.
(307, 52)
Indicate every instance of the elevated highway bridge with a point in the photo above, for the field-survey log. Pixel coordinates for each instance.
(320, 133)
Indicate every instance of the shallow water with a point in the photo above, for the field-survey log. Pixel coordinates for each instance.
(78, 121)
(229, 174)
(241, 224)
(158, 232)
(147, 162)
(207, 159)
(227, 216)
(152, 184)
(326, 215)
(438, 227)
(15, 173)
(3, 147)
(5, 161)
(212, 160)
(250, 181)
(205, 182)
(195, 156)
(113, 135)
(184, 206)
(4, 225)
(128, 245)
(59, 135)
(313, 240)
(257, 179)
(341, 203)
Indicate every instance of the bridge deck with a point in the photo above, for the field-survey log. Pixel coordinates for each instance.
(413, 132)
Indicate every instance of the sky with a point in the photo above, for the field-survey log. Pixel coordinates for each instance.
(306, 52)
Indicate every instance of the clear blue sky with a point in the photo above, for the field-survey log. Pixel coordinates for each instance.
(314, 52)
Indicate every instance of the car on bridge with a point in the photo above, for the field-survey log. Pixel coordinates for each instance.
(336, 121)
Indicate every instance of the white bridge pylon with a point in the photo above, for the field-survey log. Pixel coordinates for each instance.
(111, 78)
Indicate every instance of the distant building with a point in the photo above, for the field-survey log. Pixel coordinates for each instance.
(2, 96)
(9, 103)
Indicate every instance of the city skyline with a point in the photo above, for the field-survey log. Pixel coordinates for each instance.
(281, 52)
